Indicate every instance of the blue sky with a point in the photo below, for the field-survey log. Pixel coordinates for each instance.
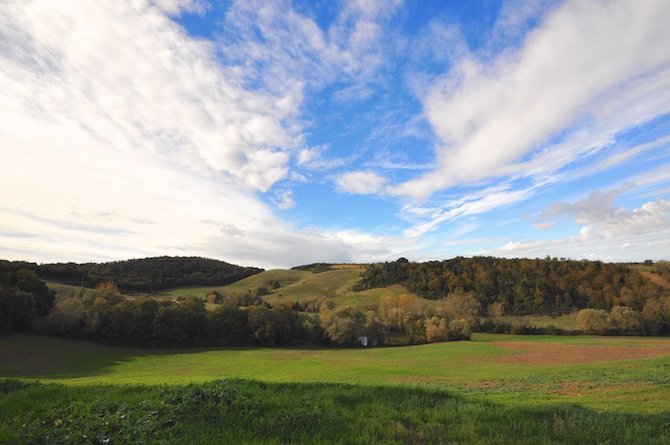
(278, 133)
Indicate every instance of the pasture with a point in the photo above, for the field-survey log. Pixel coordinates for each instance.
(494, 389)
(602, 373)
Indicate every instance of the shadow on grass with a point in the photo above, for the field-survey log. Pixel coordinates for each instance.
(47, 357)
(244, 411)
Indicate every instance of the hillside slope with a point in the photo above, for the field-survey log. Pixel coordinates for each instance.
(304, 286)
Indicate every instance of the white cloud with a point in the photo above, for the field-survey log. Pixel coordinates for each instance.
(595, 207)
(607, 232)
(128, 75)
(361, 182)
(314, 158)
(174, 7)
(473, 203)
(587, 62)
(285, 49)
(284, 200)
(651, 217)
(599, 218)
(124, 137)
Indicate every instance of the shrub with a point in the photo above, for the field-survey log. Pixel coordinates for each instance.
(594, 321)
(625, 320)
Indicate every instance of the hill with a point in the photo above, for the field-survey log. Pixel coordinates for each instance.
(302, 285)
(142, 275)
(523, 286)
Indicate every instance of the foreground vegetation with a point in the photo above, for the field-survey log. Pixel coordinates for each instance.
(496, 389)
(237, 411)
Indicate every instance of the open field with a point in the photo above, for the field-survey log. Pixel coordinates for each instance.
(495, 389)
(603, 373)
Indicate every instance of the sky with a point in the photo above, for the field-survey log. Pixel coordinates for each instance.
(279, 133)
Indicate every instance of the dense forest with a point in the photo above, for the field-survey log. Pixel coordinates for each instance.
(143, 275)
(520, 286)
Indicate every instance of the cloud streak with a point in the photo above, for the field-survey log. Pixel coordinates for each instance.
(586, 62)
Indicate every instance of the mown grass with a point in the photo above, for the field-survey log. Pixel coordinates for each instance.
(237, 411)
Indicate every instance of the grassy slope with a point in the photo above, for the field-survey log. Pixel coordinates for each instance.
(285, 277)
(62, 290)
(656, 279)
(303, 286)
(470, 368)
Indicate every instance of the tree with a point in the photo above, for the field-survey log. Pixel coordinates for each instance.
(343, 327)
(228, 324)
(463, 307)
(625, 320)
(436, 329)
(656, 315)
(594, 321)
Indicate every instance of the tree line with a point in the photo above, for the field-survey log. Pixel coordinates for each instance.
(520, 286)
(142, 275)
(106, 315)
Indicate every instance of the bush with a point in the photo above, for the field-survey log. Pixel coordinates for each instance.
(625, 320)
(594, 321)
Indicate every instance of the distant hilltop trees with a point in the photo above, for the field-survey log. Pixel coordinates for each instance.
(143, 275)
(522, 286)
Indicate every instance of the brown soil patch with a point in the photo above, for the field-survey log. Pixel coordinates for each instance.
(562, 354)
(656, 279)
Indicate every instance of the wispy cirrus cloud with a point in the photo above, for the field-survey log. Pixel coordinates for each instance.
(602, 63)
(284, 49)
(361, 182)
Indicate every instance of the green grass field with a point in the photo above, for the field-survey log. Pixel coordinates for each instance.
(514, 369)
(538, 389)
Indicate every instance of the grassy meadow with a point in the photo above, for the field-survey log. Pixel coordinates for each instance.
(494, 389)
